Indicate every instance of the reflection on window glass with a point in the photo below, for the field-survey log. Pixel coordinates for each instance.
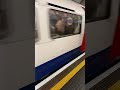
(97, 9)
(3, 25)
(64, 24)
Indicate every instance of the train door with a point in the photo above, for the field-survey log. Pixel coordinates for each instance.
(101, 16)
(101, 20)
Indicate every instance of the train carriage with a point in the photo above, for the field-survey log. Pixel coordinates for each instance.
(59, 33)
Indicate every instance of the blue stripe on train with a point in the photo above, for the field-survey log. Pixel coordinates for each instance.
(56, 63)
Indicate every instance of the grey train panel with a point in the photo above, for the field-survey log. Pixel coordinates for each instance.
(16, 65)
(19, 19)
(17, 50)
(99, 34)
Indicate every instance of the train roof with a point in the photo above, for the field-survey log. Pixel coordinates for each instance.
(65, 3)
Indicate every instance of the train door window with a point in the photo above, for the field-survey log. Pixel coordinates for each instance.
(3, 25)
(97, 10)
(64, 24)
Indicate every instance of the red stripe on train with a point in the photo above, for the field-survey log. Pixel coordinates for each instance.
(83, 44)
(115, 50)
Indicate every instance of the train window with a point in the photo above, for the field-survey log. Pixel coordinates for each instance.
(64, 24)
(97, 10)
(3, 25)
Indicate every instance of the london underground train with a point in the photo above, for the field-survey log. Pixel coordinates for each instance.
(59, 31)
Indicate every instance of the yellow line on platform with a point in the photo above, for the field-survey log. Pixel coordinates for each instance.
(62, 82)
(116, 86)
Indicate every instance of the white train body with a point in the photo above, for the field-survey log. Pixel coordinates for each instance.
(48, 47)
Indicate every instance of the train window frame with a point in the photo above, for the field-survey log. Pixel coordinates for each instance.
(103, 17)
(62, 36)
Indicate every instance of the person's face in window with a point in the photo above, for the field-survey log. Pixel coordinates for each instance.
(60, 25)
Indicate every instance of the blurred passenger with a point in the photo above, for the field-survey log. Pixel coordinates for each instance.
(60, 26)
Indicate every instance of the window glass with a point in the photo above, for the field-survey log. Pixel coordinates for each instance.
(64, 24)
(97, 9)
